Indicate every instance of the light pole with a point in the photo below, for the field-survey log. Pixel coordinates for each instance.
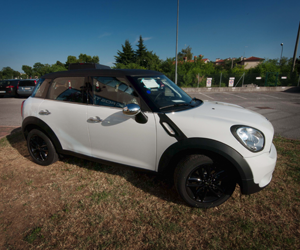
(281, 51)
(176, 62)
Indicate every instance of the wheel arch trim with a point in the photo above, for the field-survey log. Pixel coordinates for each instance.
(31, 122)
(191, 145)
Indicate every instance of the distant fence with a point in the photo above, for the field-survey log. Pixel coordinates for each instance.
(268, 79)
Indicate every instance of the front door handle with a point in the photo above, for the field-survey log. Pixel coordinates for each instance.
(44, 112)
(94, 119)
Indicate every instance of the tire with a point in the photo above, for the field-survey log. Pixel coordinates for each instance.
(41, 148)
(203, 183)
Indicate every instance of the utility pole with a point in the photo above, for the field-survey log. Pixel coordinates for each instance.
(296, 47)
(281, 52)
(176, 62)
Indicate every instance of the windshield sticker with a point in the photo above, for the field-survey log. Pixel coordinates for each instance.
(177, 101)
(150, 83)
(148, 91)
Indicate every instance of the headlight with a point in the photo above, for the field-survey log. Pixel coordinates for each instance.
(251, 138)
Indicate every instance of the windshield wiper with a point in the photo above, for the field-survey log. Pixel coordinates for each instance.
(177, 105)
(194, 100)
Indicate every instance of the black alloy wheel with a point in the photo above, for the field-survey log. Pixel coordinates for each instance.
(41, 148)
(207, 183)
(38, 148)
(202, 182)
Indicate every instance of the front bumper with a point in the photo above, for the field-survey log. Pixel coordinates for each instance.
(262, 168)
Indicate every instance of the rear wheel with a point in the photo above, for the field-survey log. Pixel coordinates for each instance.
(41, 148)
(203, 183)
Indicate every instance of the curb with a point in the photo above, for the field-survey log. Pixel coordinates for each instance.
(241, 89)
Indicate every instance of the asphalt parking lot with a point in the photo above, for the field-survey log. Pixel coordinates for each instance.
(281, 108)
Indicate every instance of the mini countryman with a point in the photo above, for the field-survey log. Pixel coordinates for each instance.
(140, 118)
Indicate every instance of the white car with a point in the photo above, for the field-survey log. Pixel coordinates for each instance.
(141, 119)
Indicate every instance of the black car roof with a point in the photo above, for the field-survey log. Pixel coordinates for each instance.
(102, 72)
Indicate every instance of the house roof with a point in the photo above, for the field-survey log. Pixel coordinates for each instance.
(253, 58)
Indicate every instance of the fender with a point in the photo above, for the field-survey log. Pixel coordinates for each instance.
(176, 151)
(31, 122)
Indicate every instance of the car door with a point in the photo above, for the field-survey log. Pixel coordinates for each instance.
(114, 136)
(65, 111)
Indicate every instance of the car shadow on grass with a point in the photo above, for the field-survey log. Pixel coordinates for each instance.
(159, 186)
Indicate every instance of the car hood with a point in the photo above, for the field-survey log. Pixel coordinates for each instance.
(213, 120)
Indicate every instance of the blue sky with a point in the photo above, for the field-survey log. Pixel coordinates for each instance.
(47, 31)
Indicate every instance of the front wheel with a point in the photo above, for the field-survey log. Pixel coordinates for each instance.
(203, 183)
(41, 148)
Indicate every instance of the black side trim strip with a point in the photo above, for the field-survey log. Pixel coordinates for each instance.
(105, 162)
(179, 135)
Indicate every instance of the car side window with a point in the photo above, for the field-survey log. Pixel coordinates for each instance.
(68, 89)
(40, 88)
(113, 92)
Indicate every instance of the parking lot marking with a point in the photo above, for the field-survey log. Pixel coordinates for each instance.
(206, 95)
(236, 95)
(270, 96)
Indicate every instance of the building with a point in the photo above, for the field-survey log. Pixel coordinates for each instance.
(250, 62)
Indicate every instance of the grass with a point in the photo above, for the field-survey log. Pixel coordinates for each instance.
(77, 204)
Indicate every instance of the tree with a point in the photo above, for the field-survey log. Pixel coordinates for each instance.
(187, 52)
(126, 56)
(70, 59)
(59, 63)
(152, 61)
(95, 59)
(38, 69)
(128, 66)
(83, 58)
(28, 70)
(141, 53)
(9, 73)
(56, 68)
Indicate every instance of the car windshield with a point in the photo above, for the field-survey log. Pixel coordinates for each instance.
(163, 93)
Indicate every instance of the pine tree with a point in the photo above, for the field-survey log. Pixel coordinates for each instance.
(126, 56)
(141, 53)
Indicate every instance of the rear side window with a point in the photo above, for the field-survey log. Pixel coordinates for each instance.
(41, 88)
(68, 89)
(27, 83)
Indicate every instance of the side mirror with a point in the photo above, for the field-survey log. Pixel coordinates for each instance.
(131, 109)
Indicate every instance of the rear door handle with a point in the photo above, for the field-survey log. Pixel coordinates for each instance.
(44, 112)
(94, 119)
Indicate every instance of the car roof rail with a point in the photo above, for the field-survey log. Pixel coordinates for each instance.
(87, 66)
